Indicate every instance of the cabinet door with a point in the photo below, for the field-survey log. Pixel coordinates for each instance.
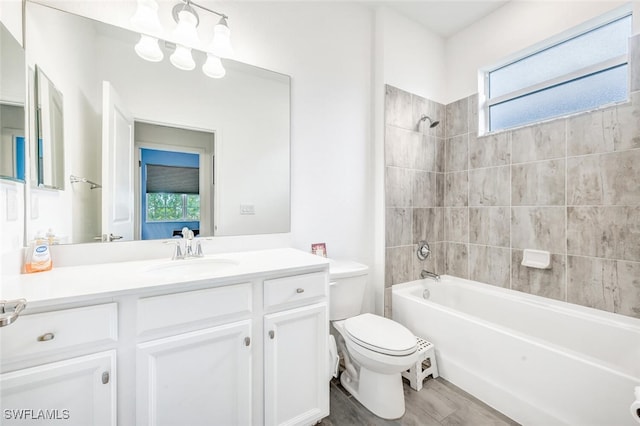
(296, 356)
(197, 378)
(79, 391)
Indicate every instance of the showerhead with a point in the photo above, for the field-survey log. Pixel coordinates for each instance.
(432, 123)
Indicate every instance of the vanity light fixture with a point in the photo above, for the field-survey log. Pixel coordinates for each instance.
(185, 34)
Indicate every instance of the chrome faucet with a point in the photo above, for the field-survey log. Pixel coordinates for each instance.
(192, 246)
(187, 237)
(426, 274)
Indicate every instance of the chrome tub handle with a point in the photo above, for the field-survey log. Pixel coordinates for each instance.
(10, 310)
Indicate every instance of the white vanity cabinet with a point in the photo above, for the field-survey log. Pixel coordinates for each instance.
(295, 350)
(78, 391)
(197, 378)
(200, 377)
(248, 347)
(55, 367)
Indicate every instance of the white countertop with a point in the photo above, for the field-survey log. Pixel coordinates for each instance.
(74, 283)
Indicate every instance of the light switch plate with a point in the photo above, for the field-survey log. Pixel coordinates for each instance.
(247, 209)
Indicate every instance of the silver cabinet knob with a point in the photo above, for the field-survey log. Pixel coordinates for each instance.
(105, 377)
(272, 334)
(46, 337)
(300, 290)
(247, 341)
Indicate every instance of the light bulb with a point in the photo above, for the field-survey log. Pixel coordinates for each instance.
(148, 49)
(213, 67)
(221, 43)
(186, 32)
(146, 19)
(182, 58)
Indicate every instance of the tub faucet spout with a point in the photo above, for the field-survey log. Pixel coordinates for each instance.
(427, 274)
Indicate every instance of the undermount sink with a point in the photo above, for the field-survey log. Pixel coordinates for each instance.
(189, 268)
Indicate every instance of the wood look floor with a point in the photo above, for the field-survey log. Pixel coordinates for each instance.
(438, 403)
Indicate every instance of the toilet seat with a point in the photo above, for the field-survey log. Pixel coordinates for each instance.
(380, 335)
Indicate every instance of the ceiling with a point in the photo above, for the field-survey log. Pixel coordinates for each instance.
(445, 17)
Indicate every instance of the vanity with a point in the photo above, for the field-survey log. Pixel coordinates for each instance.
(228, 339)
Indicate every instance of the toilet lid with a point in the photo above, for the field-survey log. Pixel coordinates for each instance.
(380, 335)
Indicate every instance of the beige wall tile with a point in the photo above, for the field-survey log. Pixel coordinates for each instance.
(610, 285)
(456, 189)
(457, 153)
(456, 224)
(457, 120)
(625, 124)
(541, 282)
(490, 265)
(488, 151)
(473, 114)
(539, 228)
(403, 148)
(457, 260)
(398, 265)
(539, 142)
(538, 184)
(398, 109)
(490, 226)
(388, 305)
(609, 179)
(398, 187)
(428, 224)
(586, 134)
(425, 190)
(490, 186)
(610, 231)
(398, 223)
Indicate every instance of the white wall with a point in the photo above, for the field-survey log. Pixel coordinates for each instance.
(516, 26)
(11, 17)
(413, 56)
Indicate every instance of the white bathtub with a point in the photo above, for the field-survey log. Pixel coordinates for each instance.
(539, 361)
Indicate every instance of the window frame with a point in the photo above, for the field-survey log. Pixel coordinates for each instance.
(484, 74)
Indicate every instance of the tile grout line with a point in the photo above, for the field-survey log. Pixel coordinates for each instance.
(566, 211)
(510, 210)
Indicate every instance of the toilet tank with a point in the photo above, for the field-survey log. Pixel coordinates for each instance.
(347, 284)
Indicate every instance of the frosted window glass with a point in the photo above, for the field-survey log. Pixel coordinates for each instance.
(595, 46)
(577, 95)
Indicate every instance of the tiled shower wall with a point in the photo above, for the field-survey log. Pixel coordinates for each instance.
(570, 186)
(414, 186)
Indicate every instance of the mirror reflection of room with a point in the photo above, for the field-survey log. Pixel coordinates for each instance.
(12, 101)
(247, 110)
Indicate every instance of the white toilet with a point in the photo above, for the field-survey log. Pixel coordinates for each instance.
(375, 349)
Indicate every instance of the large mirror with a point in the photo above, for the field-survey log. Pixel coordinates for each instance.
(149, 148)
(12, 107)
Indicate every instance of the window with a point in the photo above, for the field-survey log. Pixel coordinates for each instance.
(583, 72)
(172, 193)
(168, 207)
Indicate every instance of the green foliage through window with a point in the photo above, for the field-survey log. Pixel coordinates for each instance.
(168, 207)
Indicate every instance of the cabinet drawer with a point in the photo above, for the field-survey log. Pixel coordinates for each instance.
(175, 309)
(49, 332)
(294, 289)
